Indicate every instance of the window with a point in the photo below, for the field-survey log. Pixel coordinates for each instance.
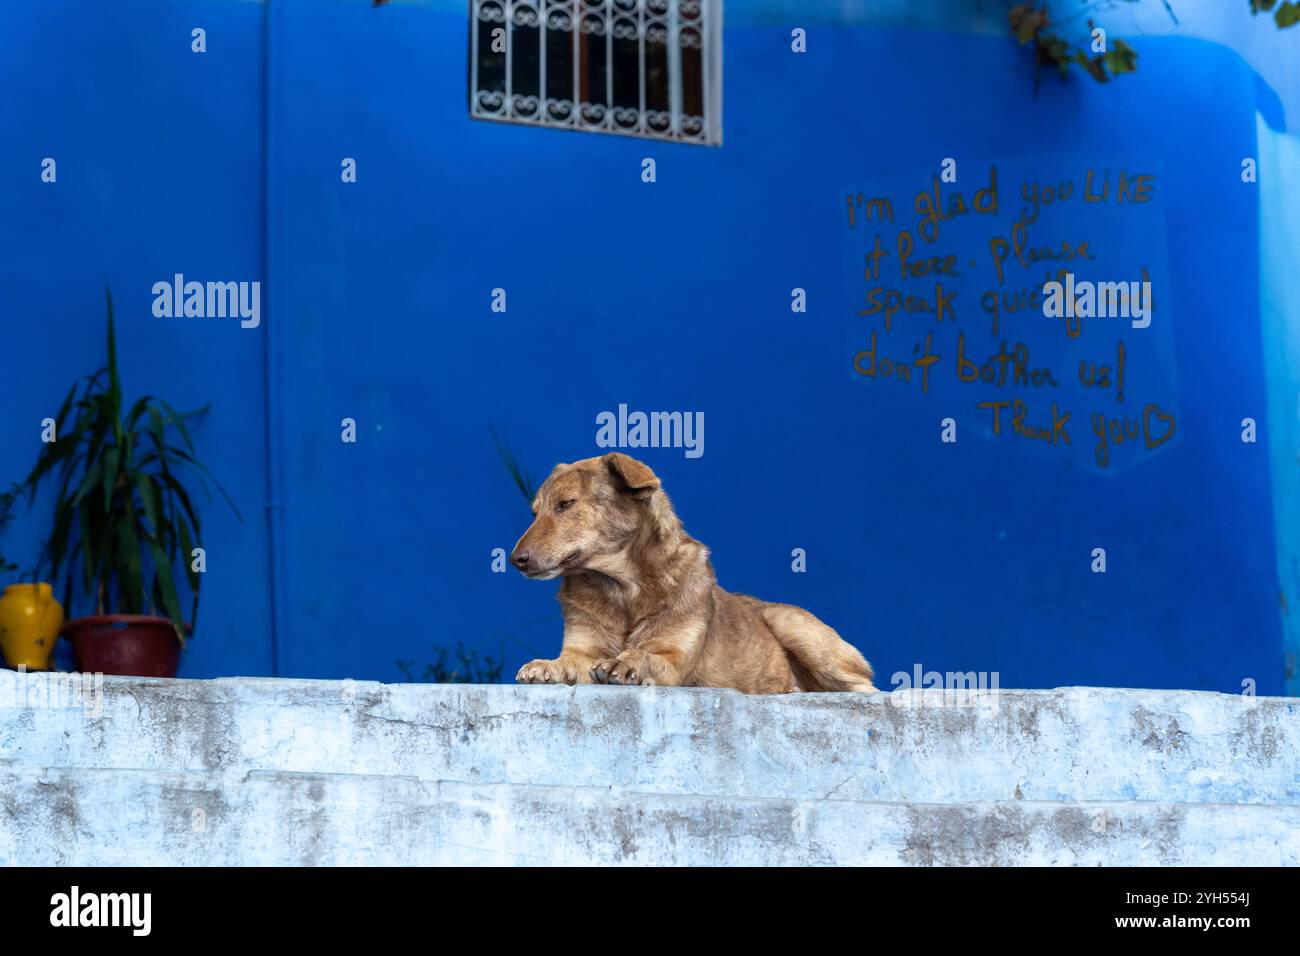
(638, 67)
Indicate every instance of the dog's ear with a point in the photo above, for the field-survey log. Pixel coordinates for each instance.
(633, 476)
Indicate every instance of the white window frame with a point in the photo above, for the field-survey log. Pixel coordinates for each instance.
(686, 22)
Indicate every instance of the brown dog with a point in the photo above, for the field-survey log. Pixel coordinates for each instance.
(641, 604)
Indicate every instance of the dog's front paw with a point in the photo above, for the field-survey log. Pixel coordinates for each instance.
(547, 672)
(630, 667)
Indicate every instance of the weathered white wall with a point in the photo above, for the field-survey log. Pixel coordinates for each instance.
(269, 771)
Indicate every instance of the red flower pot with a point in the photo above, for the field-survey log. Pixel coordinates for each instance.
(134, 644)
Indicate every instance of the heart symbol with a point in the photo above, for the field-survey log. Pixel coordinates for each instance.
(1146, 424)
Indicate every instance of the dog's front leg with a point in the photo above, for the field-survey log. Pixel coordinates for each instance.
(583, 646)
(662, 653)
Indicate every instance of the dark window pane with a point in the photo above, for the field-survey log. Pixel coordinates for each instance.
(526, 63)
(656, 76)
(692, 75)
(627, 65)
(559, 65)
(591, 67)
(491, 65)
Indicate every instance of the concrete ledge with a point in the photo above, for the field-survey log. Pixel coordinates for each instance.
(114, 817)
(1090, 744)
(259, 771)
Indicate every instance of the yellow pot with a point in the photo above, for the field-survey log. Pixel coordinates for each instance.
(30, 621)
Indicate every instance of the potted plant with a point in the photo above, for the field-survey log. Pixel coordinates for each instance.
(30, 618)
(122, 518)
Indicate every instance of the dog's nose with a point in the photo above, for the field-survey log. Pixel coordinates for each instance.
(520, 559)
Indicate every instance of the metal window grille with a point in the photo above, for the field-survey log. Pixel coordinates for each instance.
(637, 67)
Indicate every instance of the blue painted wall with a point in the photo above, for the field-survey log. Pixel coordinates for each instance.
(159, 165)
(973, 556)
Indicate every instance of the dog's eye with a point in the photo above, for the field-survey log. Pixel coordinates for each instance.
(564, 505)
